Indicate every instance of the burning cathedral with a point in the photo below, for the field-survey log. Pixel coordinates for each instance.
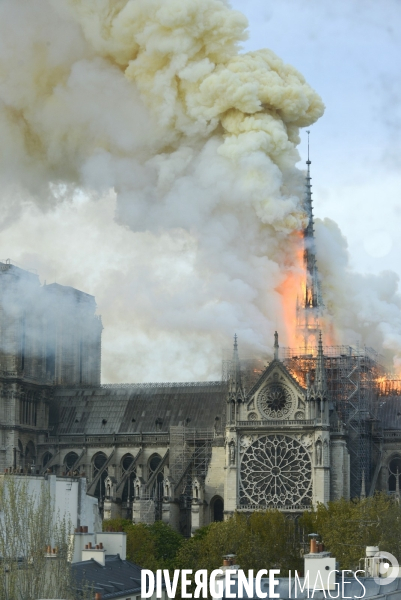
(316, 423)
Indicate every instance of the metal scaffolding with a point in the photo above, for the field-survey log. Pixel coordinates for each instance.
(353, 376)
(190, 455)
(190, 452)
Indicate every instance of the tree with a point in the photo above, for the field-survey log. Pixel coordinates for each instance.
(347, 527)
(28, 527)
(262, 540)
(150, 546)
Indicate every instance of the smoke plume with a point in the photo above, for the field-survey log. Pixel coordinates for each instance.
(148, 109)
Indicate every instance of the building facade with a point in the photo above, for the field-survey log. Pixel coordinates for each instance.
(283, 436)
(314, 424)
(49, 336)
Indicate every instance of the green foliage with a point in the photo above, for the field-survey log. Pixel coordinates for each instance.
(263, 540)
(347, 527)
(150, 546)
(269, 539)
(167, 544)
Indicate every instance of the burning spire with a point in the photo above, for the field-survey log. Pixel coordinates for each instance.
(310, 304)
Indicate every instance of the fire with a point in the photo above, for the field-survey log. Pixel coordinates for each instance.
(290, 290)
(388, 386)
(301, 332)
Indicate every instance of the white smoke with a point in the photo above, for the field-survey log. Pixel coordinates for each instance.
(152, 99)
(365, 308)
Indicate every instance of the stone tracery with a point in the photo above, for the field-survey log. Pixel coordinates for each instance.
(275, 401)
(276, 472)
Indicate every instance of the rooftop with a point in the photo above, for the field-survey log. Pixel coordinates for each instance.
(114, 580)
(135, 408)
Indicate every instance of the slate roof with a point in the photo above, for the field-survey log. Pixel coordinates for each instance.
(115, 580)
(135, 408)
(390, 412)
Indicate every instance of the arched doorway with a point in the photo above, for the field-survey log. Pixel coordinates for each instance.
(217, 509)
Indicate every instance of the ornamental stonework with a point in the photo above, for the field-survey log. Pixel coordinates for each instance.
(275, 401)
(275, 472)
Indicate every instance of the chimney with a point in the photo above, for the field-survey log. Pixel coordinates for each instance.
(319, 566)
(313, 543)
(113, 542)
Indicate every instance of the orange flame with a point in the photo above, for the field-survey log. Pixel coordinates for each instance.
(290, 290)
(293, 291)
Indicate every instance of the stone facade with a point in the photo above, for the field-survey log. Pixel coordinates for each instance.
(49, 336)
(184, 453)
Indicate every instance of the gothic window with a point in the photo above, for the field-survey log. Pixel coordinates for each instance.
(70, 460)
(394, 465)
(275, 401)
(157, 488)
(276, 472)
(46, 458)
(154, 462)
(98, 462)
(128, 490)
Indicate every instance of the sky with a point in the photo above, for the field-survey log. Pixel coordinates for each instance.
(350, 53)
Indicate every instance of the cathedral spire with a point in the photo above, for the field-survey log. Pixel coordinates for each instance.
(236, 392)
(310, 304)
(313, 298)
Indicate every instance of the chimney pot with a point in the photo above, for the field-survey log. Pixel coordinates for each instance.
(313, 543)
(101, 545)
(98, 596)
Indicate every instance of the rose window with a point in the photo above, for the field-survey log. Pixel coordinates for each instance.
(275, 401)
(276, 472)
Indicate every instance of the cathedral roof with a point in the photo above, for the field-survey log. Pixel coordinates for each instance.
(135, 408)
(389, 412)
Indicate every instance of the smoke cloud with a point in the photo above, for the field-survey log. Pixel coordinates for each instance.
(146, 112)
